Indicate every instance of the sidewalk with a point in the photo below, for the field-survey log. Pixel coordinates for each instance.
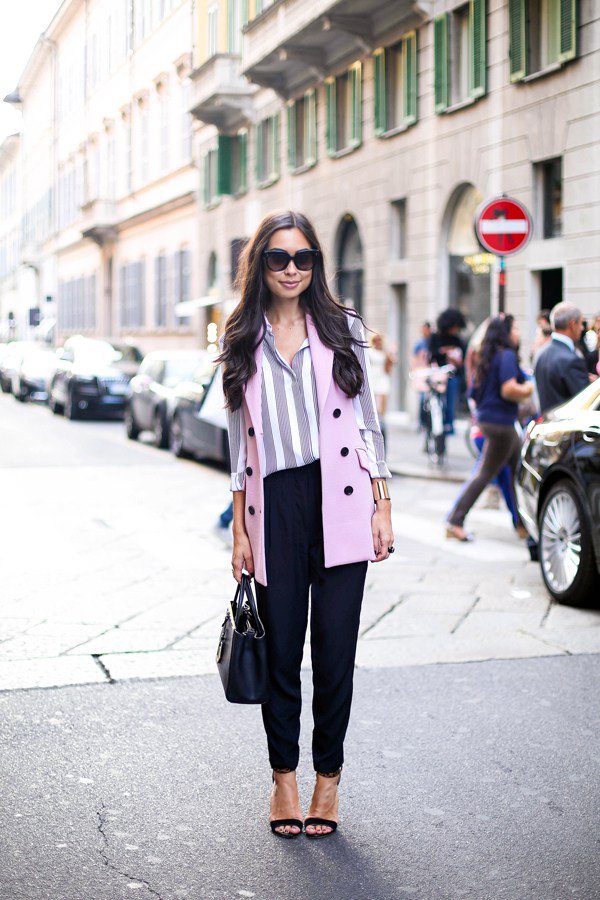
(406, 456)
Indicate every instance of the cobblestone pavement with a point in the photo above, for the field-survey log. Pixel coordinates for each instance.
(112, 570)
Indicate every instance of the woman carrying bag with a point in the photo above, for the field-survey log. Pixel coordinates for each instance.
(311, 505)
(497, 388)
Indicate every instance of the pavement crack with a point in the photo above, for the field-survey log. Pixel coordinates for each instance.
(544, 618)
(189, 632)
(465, 615)
(102, 823)
(382, 617)
(104, 668)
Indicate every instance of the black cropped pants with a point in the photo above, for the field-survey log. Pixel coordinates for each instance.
(295, 564)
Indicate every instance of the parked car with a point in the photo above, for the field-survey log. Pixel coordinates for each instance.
(33, 373)
(151, 400)
(191, 433)
(88, 379)
(10, 361)
(558, 494)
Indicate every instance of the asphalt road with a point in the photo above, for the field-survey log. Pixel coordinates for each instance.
(471, 780)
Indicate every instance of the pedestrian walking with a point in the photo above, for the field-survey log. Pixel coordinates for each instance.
(311, 505)
(382, 363)
(446, 347)
(560, 371)
(498, 386)
(543, 335)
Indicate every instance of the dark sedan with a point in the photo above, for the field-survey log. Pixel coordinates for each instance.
(152, 398)
(196, 431)
(88, 379)
(558, 493)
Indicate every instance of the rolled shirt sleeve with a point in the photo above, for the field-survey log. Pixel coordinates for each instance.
(365, 408)
(237, 448)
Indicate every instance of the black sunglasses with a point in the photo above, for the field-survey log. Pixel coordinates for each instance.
(279, 260)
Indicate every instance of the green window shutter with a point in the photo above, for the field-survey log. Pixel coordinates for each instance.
(243, 182)
(258, 153)
(355, 85)
(310, 126)
(440, 62)
(409, 60)
(276, 160)
(517, 39)
(207, 196)
(330, 116)
(477, 48)
(380, 89)
(224, 165)
(291, 134)
(568, 30)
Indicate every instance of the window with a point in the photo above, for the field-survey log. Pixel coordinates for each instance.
(396, 85)
(125, 155)
(234, 25)
(182, 274)
(225, 168)
(213, 29)
(459, 40)
(266, 150)
(399, 229)
(302, 131)
(142, 147)
(548, 185)
(164, 128)
(132, 294)
(186, 122)
(543, 34)
(77, 304)
(344, 110)
(160, 290)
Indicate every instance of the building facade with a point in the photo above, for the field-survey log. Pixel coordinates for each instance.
(157, 133)
(13, 275)
(388, 123)
(109, 207)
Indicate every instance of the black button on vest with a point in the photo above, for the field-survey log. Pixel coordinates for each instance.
(337, 413)
(251, 510)
(344, 451)
(249, 470)
(348, 490)
(251, 432)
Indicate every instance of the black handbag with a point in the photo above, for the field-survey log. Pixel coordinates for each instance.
(242, 650)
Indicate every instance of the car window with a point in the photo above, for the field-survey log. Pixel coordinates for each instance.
(178, 370)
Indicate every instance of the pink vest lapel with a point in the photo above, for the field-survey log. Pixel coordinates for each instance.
(322, 360)
(253, 391)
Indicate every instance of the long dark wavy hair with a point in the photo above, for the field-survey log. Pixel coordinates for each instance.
(245, 326)
(497, 337)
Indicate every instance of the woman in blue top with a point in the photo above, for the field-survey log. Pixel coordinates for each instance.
(498, 387)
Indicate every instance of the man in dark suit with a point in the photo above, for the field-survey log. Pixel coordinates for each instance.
(560, 372)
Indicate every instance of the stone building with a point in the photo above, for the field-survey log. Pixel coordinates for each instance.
(388, 123)
(109, 185)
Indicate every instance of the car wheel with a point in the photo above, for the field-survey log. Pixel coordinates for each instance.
(53, 405)
(131, 427)
(161, 430)
(71, 411)
(176, 439)
(565, 547)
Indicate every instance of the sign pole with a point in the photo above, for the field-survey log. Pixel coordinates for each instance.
(501, 285)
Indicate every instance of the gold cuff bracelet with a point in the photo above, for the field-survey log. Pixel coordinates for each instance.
(380, 491)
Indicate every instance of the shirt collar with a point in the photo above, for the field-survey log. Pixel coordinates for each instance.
(565, 339)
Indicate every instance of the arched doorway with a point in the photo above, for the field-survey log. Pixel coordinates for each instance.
(349, 261)
(467, 267)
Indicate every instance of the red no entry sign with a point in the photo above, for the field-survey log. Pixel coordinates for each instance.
(503, 226)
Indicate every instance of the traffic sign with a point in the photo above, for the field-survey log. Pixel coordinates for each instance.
(503, 226)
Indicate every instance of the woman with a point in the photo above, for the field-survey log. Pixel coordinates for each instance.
(382, 363)
(446, 347)
(497, 389)
(310, 500)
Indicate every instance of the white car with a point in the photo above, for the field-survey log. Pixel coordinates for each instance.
(34, 372)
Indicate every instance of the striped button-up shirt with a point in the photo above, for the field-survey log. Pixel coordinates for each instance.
(290, 412)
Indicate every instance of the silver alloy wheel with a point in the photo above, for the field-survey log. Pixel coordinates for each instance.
(560, 545)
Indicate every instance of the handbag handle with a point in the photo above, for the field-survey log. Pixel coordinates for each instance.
(245, 590)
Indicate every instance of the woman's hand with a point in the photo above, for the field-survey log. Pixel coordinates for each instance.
(241, 557)
(381, 527)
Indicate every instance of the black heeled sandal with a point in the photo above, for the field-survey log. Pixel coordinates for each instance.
(316, 820)
(281, 823)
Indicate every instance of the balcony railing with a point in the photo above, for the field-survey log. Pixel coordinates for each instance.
(220, 95)
(98, 220)
(296, 42)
